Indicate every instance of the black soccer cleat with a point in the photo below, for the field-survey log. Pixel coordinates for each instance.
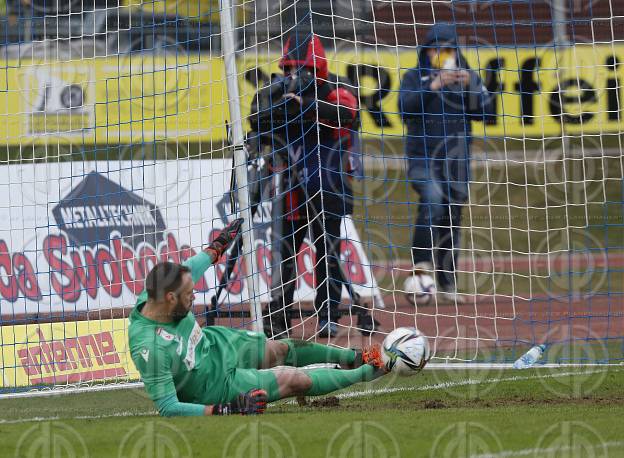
(367, 324)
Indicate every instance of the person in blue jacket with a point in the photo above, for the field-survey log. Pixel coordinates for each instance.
(438, 101)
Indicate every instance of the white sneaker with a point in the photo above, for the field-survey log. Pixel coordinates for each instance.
(452, 297)
(424, 268)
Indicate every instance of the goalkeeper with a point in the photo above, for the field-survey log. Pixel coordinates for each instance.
(192, 371)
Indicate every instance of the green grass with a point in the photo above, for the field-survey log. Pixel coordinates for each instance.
(438, 413)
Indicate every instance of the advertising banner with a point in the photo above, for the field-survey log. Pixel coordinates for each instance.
(82, 236)
(141, 97)
(65, 353)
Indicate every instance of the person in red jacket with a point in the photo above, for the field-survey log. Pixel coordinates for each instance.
(315, 117)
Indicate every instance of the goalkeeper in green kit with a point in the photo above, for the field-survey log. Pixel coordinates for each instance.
(188, 370)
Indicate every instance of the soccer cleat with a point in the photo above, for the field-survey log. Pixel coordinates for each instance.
(450, 296)
(367, 324)
(276, 326)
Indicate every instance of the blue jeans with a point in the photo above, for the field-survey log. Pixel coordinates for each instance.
(442, 185)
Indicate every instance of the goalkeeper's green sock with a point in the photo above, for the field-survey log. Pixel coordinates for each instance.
(301, 353)
(327, 380)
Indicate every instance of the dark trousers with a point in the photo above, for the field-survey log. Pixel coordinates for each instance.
(325, 234)
(443, 188)
(436, 240)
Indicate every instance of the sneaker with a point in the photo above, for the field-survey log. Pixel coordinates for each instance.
(327, 329)
(367, 324)
(276, 326)
(452, 297)
(421, 268)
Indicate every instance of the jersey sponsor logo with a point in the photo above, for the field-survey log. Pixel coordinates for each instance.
(165, 335)
(193, 340)
(170, 337)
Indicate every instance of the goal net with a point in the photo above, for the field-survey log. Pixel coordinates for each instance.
(450, 165)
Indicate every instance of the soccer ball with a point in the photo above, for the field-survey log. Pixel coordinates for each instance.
(419, 289)
(405, 351)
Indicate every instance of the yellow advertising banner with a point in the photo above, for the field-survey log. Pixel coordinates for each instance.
(65, 353)
(540, 92)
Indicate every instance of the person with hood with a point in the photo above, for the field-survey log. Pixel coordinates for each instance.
(309, 118)
(438, 101)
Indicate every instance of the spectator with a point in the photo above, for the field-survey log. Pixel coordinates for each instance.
(438, 100)
(315, 115)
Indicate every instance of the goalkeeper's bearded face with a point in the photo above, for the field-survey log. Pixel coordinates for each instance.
(183, 298)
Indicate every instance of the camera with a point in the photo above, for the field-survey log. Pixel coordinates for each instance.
(272, 113)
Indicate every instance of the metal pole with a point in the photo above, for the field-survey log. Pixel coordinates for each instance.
(240, 162)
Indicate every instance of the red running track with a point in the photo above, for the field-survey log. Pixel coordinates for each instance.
(485, 321)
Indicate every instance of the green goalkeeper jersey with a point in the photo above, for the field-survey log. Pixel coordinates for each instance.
(179, 362)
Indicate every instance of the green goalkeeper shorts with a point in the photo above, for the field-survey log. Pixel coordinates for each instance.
(237, 347)
(243, 380)
(242, 353)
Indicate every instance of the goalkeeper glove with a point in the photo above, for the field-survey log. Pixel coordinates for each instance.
(251, 403)
(225, 239)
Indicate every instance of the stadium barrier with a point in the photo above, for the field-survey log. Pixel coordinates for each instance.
(107, 223)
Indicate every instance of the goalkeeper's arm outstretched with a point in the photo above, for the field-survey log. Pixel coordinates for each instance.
(192, 371)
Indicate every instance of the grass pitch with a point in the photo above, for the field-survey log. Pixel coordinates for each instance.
(439, 413)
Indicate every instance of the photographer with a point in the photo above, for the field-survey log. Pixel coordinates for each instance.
(308, 120)
(438, 101)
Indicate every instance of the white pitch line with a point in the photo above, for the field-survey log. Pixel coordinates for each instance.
(446, 385)
(79, 417)
(547, 450)
(28, 420)
(71, 390)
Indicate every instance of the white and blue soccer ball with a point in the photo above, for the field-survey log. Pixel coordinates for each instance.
(405, 351)
(419, 289)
